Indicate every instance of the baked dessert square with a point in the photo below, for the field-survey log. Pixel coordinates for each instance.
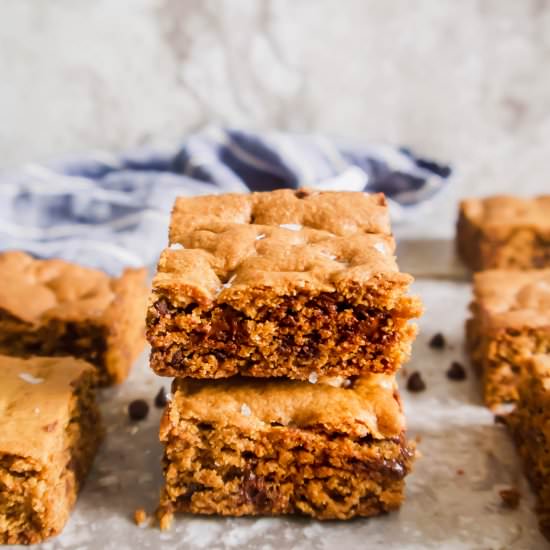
(50, 433)
(285, 284)
(335, 449)
(510, 322)
(530, 427)
(504, 232)
(55, 308)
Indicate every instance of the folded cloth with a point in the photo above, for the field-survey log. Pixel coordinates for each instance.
(112, 211)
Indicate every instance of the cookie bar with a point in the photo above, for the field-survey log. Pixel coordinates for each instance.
(249, 446)
(530, 426)
(510, 321)
(286, 283)
(50, 432)
(504, 232)
(55, 308)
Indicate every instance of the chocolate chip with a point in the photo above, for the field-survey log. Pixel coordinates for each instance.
(415, 383)
(255, 491)
(161, 399)
(138, 409)
(510, 498)
(456, 371)
(162, 306)
(437, 341)
(501, 419)
(301, 194)
(177, 359)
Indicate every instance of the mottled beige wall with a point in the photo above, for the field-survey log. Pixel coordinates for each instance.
(466, 80)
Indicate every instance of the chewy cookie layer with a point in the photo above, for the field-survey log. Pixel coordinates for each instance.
(55, 308)
(245, 446)
(530, 426)
(510, 321)
(50, 432)
(504, 232)
(286, 283)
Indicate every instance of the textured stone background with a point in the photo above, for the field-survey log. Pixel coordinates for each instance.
(467, 81)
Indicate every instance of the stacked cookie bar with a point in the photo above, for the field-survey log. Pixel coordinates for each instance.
(283, 317)
(506, 240)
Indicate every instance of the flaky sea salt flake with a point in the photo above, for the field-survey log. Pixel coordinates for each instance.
(230, 282)
(30, 379)
(312, 378)
(291, 226)
(245, 410)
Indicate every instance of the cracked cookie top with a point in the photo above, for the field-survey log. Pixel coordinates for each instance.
(35, 403)
(366, 406)
(282, 240)
(509, 299)
(500, 215)
(35, 291)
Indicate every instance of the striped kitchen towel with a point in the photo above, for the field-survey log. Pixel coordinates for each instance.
(110, 211)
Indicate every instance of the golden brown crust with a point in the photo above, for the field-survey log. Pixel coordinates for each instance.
(52, 307)
(510, 321)
(342, 214)
(35, 403)
(513, 299)
(504, 232)
(368, 406)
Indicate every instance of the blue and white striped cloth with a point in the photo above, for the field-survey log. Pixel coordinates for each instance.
(112, 211)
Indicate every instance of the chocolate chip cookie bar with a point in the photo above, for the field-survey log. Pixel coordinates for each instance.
(55, 308)
(504, 232)
(286, 284)
(530, 426)
(335, 449)
(50, 432)
(510, 322)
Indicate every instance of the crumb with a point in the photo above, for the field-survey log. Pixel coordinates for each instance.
(415, 383)
(138, 409)
(460, 472)
(437, 341)
(165, 518)
(456, 371)
(404, 372)
(510, 498)
(161, 399)
(140, 517)
(418, 438)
